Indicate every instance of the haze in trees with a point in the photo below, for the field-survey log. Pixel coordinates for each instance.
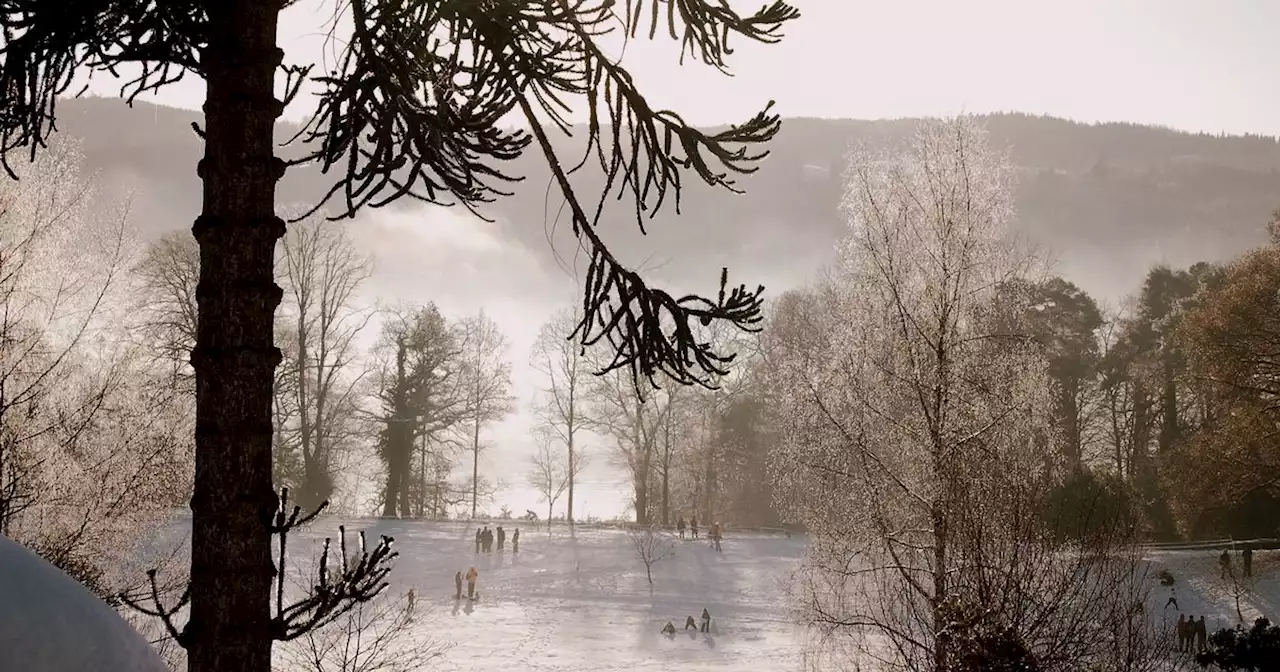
(524, 57)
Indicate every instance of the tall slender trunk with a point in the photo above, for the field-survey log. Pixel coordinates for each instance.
(475, 438)
(569, 428)
(305, 435)
(235, 354)
(666, 471)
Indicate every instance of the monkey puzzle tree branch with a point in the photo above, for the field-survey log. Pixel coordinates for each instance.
(46, 45)
(329, 598)
(414, 107)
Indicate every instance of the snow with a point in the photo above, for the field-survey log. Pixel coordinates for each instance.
(567, 602)
(49, 622)
(581, 602)
(1201, 592)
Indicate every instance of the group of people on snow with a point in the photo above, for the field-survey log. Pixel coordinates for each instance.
(1192, 634)
(670, 628)
(716, 533)
(485, 539)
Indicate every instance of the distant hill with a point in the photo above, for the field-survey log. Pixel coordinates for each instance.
(1109, 198)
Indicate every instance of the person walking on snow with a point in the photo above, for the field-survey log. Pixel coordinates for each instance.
(479, 538)
(1246, 556)
(706, 621)
(1224, 561)
(680, 525)
(502, 538)
(1199, 633)
(693, 527)
(457, 584)
(515, 541)
(472, 575)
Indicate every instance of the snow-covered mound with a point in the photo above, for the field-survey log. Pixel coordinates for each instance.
(582, 602)
(51, 623)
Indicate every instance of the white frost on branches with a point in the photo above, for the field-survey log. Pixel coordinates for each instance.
(917, 417)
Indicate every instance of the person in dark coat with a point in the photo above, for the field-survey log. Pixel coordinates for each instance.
(669, 629)
(693, 527)
(1224, 561)
(1183, 629)
(706, 621)
(680, 525)
(1200, 634)
(690, 623)
(457, 585)
(479, 538)
(515, 541)
(1246, 556)
(502, 538)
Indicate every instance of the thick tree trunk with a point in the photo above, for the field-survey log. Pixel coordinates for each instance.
(235, 355)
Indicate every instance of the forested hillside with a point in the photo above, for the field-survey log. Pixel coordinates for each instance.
(1108, 199)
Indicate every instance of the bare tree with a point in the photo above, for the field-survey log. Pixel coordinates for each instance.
(917, 412)
(551, 473)
(633, 413)
(167, 274)
(561, 405)
(323, 274)
(651, 546)
(487, 373)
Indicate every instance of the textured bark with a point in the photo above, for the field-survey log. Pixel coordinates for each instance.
(235, 357)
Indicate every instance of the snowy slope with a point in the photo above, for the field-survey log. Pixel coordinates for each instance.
(1201, 591)
(50, 623)
(582, 602)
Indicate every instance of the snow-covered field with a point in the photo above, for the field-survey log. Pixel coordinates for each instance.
(582, 602)
(1200, 589)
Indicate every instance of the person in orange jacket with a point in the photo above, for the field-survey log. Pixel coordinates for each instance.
(471, 583)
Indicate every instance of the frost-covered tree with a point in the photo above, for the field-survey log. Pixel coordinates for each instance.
(918, 417)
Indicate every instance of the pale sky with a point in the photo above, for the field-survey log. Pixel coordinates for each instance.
(1188, 64)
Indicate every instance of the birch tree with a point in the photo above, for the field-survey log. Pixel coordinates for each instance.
(917, 421)
(486, 372)
(561, 404)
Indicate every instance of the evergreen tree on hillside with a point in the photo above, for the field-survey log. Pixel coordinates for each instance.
(414, 109)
